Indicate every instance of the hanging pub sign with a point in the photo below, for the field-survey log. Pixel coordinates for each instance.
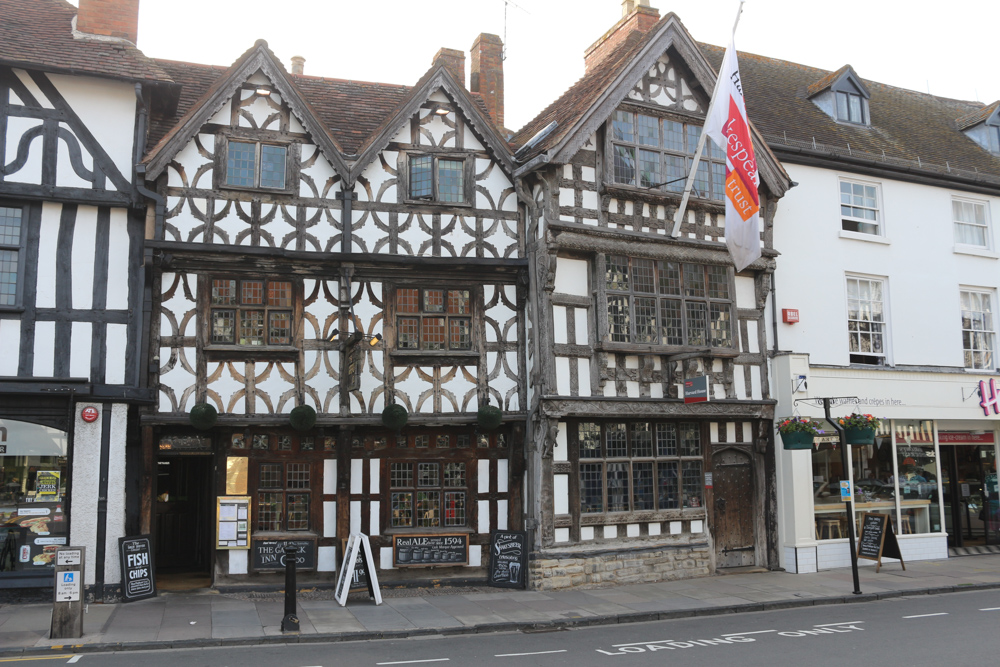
(355, 362)
(696, 389)
(136, 561)
(508, 556)
(878, 540)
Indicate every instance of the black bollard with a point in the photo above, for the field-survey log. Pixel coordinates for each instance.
(290, 623)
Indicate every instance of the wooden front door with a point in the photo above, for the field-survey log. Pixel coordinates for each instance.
(734, 508)
(183, 513)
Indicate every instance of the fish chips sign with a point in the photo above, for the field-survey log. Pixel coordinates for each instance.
(728, 127)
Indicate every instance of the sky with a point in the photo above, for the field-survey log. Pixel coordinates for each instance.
(907, 43)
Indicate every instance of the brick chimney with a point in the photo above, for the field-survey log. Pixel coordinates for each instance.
(111, 18)
(486, 76)
(637, 16)
(298, 65)
(454, 62)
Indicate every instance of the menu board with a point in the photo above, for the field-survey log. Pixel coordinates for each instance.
(430, 550)
(136, 559)
(508, 555)
(270, 554)
(877, 539)
(233, 522)
(31, 534)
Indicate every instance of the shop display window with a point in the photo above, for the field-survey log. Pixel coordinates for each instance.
(916, 479)
(33, 481)
(828, 471)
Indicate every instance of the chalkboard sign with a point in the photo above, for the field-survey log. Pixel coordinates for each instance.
(136, 560)
(878, 540)
(270, 554)
(430, 550)
(358, 548)
(508, 559)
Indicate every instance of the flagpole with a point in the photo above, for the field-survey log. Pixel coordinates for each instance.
(679, 213)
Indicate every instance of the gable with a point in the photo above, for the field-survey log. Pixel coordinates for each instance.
(666, 85)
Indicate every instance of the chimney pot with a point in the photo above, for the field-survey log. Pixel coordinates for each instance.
(454, 62)
(110, 18)
(298, 65)
(486, 74)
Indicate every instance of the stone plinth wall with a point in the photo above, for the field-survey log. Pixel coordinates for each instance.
(624, 567)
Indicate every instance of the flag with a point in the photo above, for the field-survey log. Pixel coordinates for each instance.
(728, 127)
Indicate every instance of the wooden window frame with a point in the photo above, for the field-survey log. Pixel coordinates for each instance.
(879, 359)
(985, 226)
(468, 177)
(847, 219)
(711, 155)
(970, 332)
(310, 491)
(411, 355)
(293, 150)
(440, 488)
(223, 349)
(20, 247)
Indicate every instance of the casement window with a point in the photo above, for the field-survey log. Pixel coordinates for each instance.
(428, 494)
(283, 496)
(993, 138)
(978, 330)
(433, 319)
(251, 312)
(866, 320)
(851, 108)
(437, 178)
(10, 254)
(256, 165)
(639, 466)
(656, 153)
(668, 303)
(971, 226)
(859, 208)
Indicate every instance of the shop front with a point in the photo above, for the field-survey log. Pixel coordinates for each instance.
(931, 467)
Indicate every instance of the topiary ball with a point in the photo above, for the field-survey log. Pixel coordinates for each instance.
(394, 416)
(489, 417)
(302, 417)
(203, 416)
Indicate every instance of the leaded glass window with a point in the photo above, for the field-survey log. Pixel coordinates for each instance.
(437, 179)
(251, 312)
(10, 253)
(433, 319)
(426, 494)
(252, 164)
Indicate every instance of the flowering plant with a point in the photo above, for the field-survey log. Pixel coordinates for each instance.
(798, 425)
(860, 421)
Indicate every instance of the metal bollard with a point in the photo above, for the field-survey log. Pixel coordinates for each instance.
(290, 623)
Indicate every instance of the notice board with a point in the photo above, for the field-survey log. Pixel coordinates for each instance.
(232, 522)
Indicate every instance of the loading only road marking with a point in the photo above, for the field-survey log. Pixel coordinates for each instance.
(729, 638)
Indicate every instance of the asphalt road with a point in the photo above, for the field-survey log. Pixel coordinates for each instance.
(954, 630)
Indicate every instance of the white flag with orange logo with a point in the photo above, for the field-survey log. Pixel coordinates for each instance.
(727, 126)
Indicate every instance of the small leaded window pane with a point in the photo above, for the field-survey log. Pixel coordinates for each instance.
(421, 179)
(649, 131)
(642, 485)
(676, 173)
(590, 441)
(718, 180)
(307, 444)
(720, 326)
(454, 508)
(649, 169)
(623, 126)
(694, 280)
(428, 508)
(697, 323)
(10, 226)
(616, 441)
(272, 166)
(421, 441)
(262, 441)
(692, 483)
(618, 318)
(616, 272)
(666, 440)
(252, 327)
(433, 301)
(407, 300)
(673, 136)
(223, 292)
(671, 327)
(454, 475)
(241, 166)
(618, 487)
(407, 333)
(462, 441)
(442, 442)
(298, 511)
(223, 326)
(428, 474)
(402, 510)
(460, 334)
(591, 487)
(667, 486)
(693, 134)
(270, 475)
(434, 333)
(285, 442)
(269, 510)
(690, 440)
(670, 278)
(642, 439)
(458, 302)
(280, 329)
(252, 293)
(643, 279)
(624, 165)
(450, 180)
(645, 320)
(297, 473)
(718, 282)
(8, 277)
(400, 475)
(279, 294)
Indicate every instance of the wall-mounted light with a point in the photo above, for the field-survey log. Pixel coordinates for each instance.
(263, 92)
(372, 340)
(333, 335)
(375, 340)
(442, 111)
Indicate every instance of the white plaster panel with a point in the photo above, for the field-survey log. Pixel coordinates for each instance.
(745, 293)
(562, 534)
(755, 383)
(329, 518)
(45, 286)
(653, 528)
(499, 187)
(357, 481)
(610, 532)
(385, 558)
(33, 88)
(373, 476)
(326, 559)
(66, 175)
(107, 109)
(412, 234)
(190, 160)
(632, 389)
(13, 98)
(583, 376)
(370, 384)
(82, 268)
(86, 477)
(320, 172)
(277, 386)
(609, 389)
(226, 385)
(31, 172)
(45, 345)
(355, 516)
(561, 450)
(676, 527)
(319, 366)
(559, 325)
(588, 174)
(319, 309)
(571, 276)
(739, 381)
(483, 474)
(502, 475)
(471, 140)
(656, 390)
(81, 339)
(329, 476)
(177, 379)
(118, 252)
(413, 386)
(229, 225)
(373, 516)
(461, 387)
(562, 376)
(753, 344)
(560, 494)
(501, 515)
(580, 314)
(475, 555)
(117, 343)
(281, 227)
(483, 525)
(238, 561)
(566, 196)
(586, 532)
(10, 343)
(115, 522)
(180, 220)
(590, 200)
(697, 527)
(632, 530)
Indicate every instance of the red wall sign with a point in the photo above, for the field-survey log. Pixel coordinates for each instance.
(89, 414)
(789, 315)
(964, 437)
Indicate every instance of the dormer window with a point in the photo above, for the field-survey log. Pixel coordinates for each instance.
(843, 96)
(850, 108)
(993, 135)
(983, 127)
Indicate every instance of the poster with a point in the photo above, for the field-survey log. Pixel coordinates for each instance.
(47, 484)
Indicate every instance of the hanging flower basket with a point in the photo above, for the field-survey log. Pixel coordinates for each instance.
(489, 417)
(203, 416)
(859, 429)
(394, 416)
(302, 417)
(797, 432)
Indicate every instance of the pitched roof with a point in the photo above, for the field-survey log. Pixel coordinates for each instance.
(976, 117)
(38, 34)
(832, 78)
(909, 130)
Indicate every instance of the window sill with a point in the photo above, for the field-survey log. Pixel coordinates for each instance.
(284, 535)
(861, 236)
(214, 352)
(623, 191)
(438, 204)
(436, 530)
(11, 309)
(459, 357)
(978, 251)
(668, 350)
(982, 371)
